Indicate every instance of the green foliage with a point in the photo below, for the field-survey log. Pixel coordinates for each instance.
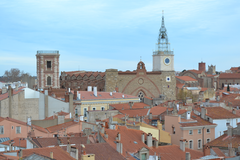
(228, 88)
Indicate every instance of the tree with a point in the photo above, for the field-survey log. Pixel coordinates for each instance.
(13, 75)
(228, 88)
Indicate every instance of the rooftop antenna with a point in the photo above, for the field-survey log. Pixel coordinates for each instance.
(140, 58)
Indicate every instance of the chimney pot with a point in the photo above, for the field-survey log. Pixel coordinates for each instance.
(51, 155)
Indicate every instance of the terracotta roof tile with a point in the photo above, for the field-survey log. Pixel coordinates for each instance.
(217, 113)
(58, 113)
(229, 75)
(5, 95)
(8, 157)
(102, 151)
(180, 85)
(199, 121)
(17, 142)
(195, 71)
(174, 152)
(186, 78)
(218, 152)
(224, 140)
(61, 126)
(53, 141)
(58, 153)
(157, 110)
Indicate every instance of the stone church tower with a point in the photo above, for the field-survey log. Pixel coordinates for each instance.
(163, 61)
(48, 69)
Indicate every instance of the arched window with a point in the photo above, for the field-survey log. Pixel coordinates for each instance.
(49, 80)
(141, 95)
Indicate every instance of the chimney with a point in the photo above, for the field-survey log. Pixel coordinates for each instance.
(61, 119)
(230, 131)
(51, 155)
(78, 96)
(188, 156)
(234, 111)
(16, 87)
(71, 110)
(206, 151)
(89, 88)
(10, 94)
(66, 97)
(149, 140)
(238, 128)
(20, 154)
(5, 149)
(10, 146)
(201, 66)
(110, 93)
(143, 138)
(69, 90)
(231, 151)
(119, 147)
(150, 116)
(75, 95)
(59, 140)
(116, 89)
(68, 148)
(156, 143)
(119, 136)
(203, 112)
(182, 144)
(95, 91)
(105, 135)
(130, 104)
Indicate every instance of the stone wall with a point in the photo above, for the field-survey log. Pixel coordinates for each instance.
(21, 108)
(111, 80)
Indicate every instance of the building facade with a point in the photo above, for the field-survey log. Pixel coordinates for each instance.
(160, 82)
(48, 69)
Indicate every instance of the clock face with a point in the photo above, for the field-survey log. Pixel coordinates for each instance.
(167, 61)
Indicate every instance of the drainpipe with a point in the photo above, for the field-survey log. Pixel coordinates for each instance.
(203, 138)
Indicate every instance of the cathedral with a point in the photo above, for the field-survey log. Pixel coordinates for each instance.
(158, 83)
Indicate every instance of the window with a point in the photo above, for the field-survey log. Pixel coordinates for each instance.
(18, 129)
(199, 131)
(102, 108)
(85, 112)
(208, 130)
(12, 127)
(1, 129)
(49, 65)
(208, 140)
(143, 156)
(191, 144)
(173, 130)
(190, 132)
(141, 95)
(93, 108)
(199, 144)
(49, 80)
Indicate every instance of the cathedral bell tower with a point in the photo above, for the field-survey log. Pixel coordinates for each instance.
(163, 57)
(163, 61)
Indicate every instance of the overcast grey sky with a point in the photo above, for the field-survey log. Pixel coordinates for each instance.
(97, 35)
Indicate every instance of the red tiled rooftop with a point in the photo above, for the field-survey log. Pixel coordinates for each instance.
(230, 75)
(61, 126)
(58, 113)
(157, 110)
(217, 113)
(53, 141)
(173, 152)
(58, 153)
(195, 71)
(83, 73)
(224, 141)
(199, 121)
(17, 142)
(186, 78)
(180, 85)
(135, 112)
(5, 95)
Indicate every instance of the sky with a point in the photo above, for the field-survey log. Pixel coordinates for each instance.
(95, 35)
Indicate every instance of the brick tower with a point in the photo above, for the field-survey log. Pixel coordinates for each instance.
(48, 69)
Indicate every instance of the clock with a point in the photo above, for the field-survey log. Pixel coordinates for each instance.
(168, 79)
(167, 61)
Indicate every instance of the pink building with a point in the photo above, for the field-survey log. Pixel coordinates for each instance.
(13, 128)
(189, 126)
